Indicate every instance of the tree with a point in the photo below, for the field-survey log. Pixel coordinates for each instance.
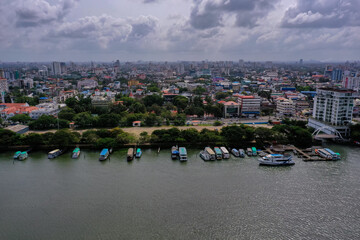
(153, 99)
(84, 120)
(180, 120)
(181, 102)
(221, 95)
(7, 137)
(71, 102)
(33, 139)
(67, 114)
(64, 138)
(190, 135)
(137, 107)
(150, 119)
(43, 122)
(22, 118)
(199, 90)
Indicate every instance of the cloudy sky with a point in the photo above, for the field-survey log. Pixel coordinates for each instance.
(129, 30)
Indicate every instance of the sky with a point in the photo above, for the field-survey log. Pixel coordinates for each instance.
(179, 30)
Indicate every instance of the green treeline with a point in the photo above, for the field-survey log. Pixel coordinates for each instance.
(230, 135)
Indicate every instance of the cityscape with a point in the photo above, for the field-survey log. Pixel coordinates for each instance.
(191, 119)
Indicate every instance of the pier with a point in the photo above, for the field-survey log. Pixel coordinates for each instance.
(305, 154)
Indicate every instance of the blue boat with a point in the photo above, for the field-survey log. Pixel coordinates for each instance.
(104, 154)
(335, 156)
(174, 152)
(138, 153)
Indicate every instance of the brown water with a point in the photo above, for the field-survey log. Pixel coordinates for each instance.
(157, 198)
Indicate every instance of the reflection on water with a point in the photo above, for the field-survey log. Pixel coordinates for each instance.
(157, 198)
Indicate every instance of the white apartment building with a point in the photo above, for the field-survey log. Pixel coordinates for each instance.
(46, 109)
(285, 107)
(352, 82)
(4, 87)
(333, 110)
(87, 84)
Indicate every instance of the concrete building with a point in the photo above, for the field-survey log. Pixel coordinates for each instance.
(87, 84)
(4, 87)
(46, 109)
(285, 107)
(352, 81)
(249, 106)
(231, 109)
(56, 68)
(333, 110)
(8, 110)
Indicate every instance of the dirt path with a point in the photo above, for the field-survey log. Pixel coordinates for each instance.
(137, 130)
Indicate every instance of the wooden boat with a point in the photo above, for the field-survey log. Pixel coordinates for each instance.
(130, 154)
(241, 153)
(104, 154)
(76, 153)
(138, 153)
(218, 153)
(17, 154)
(225, 153)
(23, 156)
(211, 153)
(55, 153)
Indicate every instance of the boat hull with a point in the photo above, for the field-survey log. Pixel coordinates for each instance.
(276, 164)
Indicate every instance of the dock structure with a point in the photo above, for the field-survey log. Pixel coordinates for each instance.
(306, 154)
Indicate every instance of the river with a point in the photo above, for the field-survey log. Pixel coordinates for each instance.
(158, 198)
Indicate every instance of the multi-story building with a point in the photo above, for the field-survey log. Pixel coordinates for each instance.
(249, 106)
(8, 110)
(56, 68)
(3, 85)
(87, 84)
(285, 107)
(333, 110)
(351, 81)
(231, 109)
(46, 109)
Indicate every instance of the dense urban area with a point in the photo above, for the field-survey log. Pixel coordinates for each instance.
(112, 104)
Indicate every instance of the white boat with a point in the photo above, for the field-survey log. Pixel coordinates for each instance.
(276, 160)
(242, 153)
(174, 152)
(335, 156)
(211, 153)
(183, 154)
(249, 152)
(323, 153)
(225, 153)
(235, 152)
(205, 156)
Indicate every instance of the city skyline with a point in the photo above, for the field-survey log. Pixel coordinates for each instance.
(159, 30)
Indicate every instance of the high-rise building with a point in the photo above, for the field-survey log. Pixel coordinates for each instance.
(351, 80)
(333, 110)
(56, 68)
(336, 75)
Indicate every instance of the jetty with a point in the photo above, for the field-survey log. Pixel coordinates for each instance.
(306, 155)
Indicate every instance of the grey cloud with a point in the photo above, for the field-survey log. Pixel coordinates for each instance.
(31, 13)
(149, 1)
(323, 14)
(106, 29)
(210, 13)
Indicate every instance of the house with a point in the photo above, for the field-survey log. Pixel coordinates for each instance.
(136, 124)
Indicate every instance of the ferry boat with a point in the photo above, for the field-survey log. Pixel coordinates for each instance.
(55, 153)
(218, 153)
(225, 153)
(174, 152)
(254, 151)
(242, 153)
(130, 154)
(104, 154)
(335, 156)
(276, 160)
(23, 156)
(138, 153)
(249, 152)
(211, 153)
(76, 153)
(17, 154)
(323, 153)
(205, 156)
(235, 152)
(183, 154)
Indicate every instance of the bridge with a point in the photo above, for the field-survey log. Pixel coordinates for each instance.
(320, 134)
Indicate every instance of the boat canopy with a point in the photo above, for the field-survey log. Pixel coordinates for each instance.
(182, 151)
(76, 150)
(253, 149)
(104, 151)
(54, 151)
(138, 150)
(330, 151)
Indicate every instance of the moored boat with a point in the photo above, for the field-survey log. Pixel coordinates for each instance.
(174, 152)
(218, 153)
(130, 154)
(138, 153)
(249, 152)
(205, 156)
(225, 153)
(76, 153)
(276, 160)
(335, 156)
(104, 154)
(323, 153)
(254, 151)
(235, 152)
(23, 156)
(211, 153)
(182, 154)
(55, 153)
(17, 154)
(242, 153)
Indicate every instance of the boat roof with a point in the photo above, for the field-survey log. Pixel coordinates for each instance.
(276, 155)
(224, 149)
(104, 151)
(54, 151)
(182, 150)
(23, 152)
(76, 150)
(329, 151)
(18, 152)
(253, 148)
(217, 150)
(209, 150)
(138, 150)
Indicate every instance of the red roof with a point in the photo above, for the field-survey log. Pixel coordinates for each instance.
(246, 97)
(230, 103)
